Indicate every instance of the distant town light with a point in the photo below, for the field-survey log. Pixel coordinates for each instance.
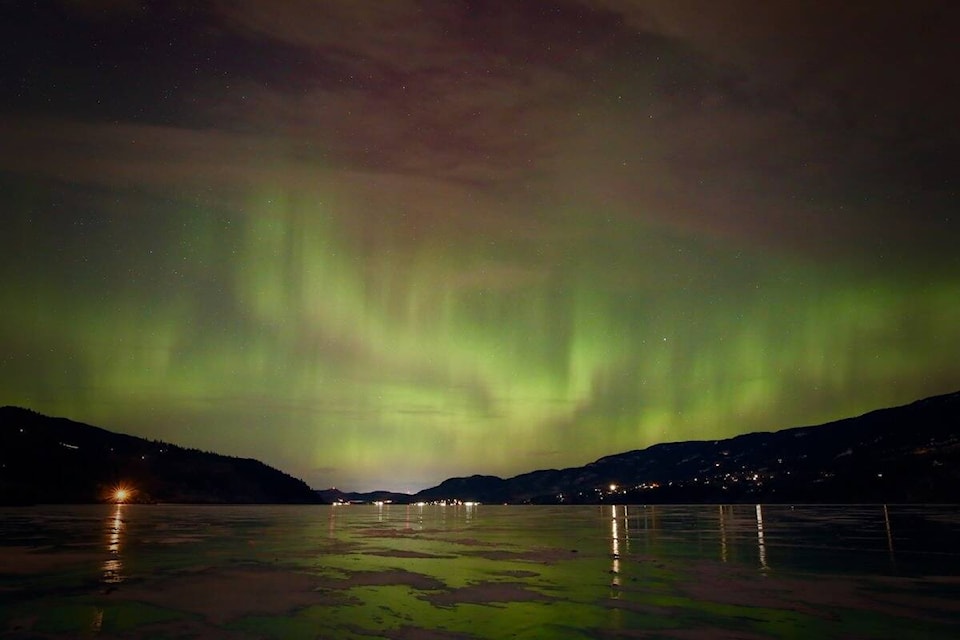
(121, 495)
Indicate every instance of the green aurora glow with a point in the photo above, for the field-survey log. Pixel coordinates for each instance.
(372, 290)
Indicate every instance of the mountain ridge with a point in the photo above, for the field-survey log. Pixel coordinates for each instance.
(829, 462)
(839, 461)
(907, 453)
(47, 459)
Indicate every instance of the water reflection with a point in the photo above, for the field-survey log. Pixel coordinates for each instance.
(626, 529)
(332, 523)
(97, 625)
(723, 533)
(760, 542)
(886, 524)
(113, 566)
(615, 544)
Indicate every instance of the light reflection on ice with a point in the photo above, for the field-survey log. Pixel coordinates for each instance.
(615, 546)
(723, 534)
(760, 542)
(97, 625)
(113, 566)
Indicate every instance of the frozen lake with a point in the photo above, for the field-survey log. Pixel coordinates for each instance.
(435, 572)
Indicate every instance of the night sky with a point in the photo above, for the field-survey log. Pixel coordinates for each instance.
(379, 244)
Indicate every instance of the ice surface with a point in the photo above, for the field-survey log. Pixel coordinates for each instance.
(433, 572)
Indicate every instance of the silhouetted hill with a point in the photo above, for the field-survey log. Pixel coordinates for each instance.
(902, 454)
(55, 460)
(335, 495)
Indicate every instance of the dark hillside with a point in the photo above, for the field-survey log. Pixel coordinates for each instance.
(55, 460)
(902, 454)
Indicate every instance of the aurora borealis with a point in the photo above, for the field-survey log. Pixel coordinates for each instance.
(379, 244)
